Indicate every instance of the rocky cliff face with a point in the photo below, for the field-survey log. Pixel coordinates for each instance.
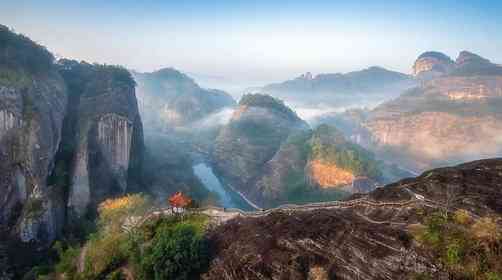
(450, 118)
(432, 64)
(32, 107)
(169, 99)
(104, 137)
(370, 237)
(70, 136)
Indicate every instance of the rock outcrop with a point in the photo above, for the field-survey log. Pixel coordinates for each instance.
(432, 64)
(368, 237)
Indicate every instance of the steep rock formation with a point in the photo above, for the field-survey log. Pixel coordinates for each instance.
(253, 136)
(70, 136)
(369, 238)
(32, 107)
(103, 136)
(169, 99)
(432, 64)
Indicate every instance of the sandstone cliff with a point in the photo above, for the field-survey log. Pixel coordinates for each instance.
(432, 64)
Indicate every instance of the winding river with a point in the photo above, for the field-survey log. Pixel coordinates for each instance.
(226, 197)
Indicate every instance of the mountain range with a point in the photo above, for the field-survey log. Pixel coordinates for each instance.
(373, 84)
(451, 117)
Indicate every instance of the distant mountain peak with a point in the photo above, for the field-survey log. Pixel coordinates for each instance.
(435, 54)
(467, 57)
(306, 76)
(432, 64)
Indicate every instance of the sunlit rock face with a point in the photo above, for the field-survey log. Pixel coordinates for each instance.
(431, 65)
(328, 175)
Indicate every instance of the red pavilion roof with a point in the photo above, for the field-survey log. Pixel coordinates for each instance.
(179, 200)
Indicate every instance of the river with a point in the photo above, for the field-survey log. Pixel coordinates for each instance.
(226, 197)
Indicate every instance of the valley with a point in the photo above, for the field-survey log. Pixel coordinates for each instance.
(111, 172)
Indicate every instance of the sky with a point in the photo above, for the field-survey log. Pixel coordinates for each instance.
(255, 42)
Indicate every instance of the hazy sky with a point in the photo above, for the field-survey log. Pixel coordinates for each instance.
(262, 40)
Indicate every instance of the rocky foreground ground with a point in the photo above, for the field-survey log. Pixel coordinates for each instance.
(368, 239)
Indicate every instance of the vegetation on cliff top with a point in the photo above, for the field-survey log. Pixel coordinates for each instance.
(267, 101)
(21, 53)
(93, 79)
(21, 58)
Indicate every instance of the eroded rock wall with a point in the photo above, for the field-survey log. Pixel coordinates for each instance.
(31, 118)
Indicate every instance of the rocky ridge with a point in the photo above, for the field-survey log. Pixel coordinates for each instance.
(365, 237)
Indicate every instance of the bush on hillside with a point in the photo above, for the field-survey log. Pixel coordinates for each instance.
(468, 248)
(177, 252)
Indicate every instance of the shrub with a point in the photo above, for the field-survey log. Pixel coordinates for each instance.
(104, 252)
(453, 254)
(177, 252)
(462, 217)
(485, 230)
(68, 257)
